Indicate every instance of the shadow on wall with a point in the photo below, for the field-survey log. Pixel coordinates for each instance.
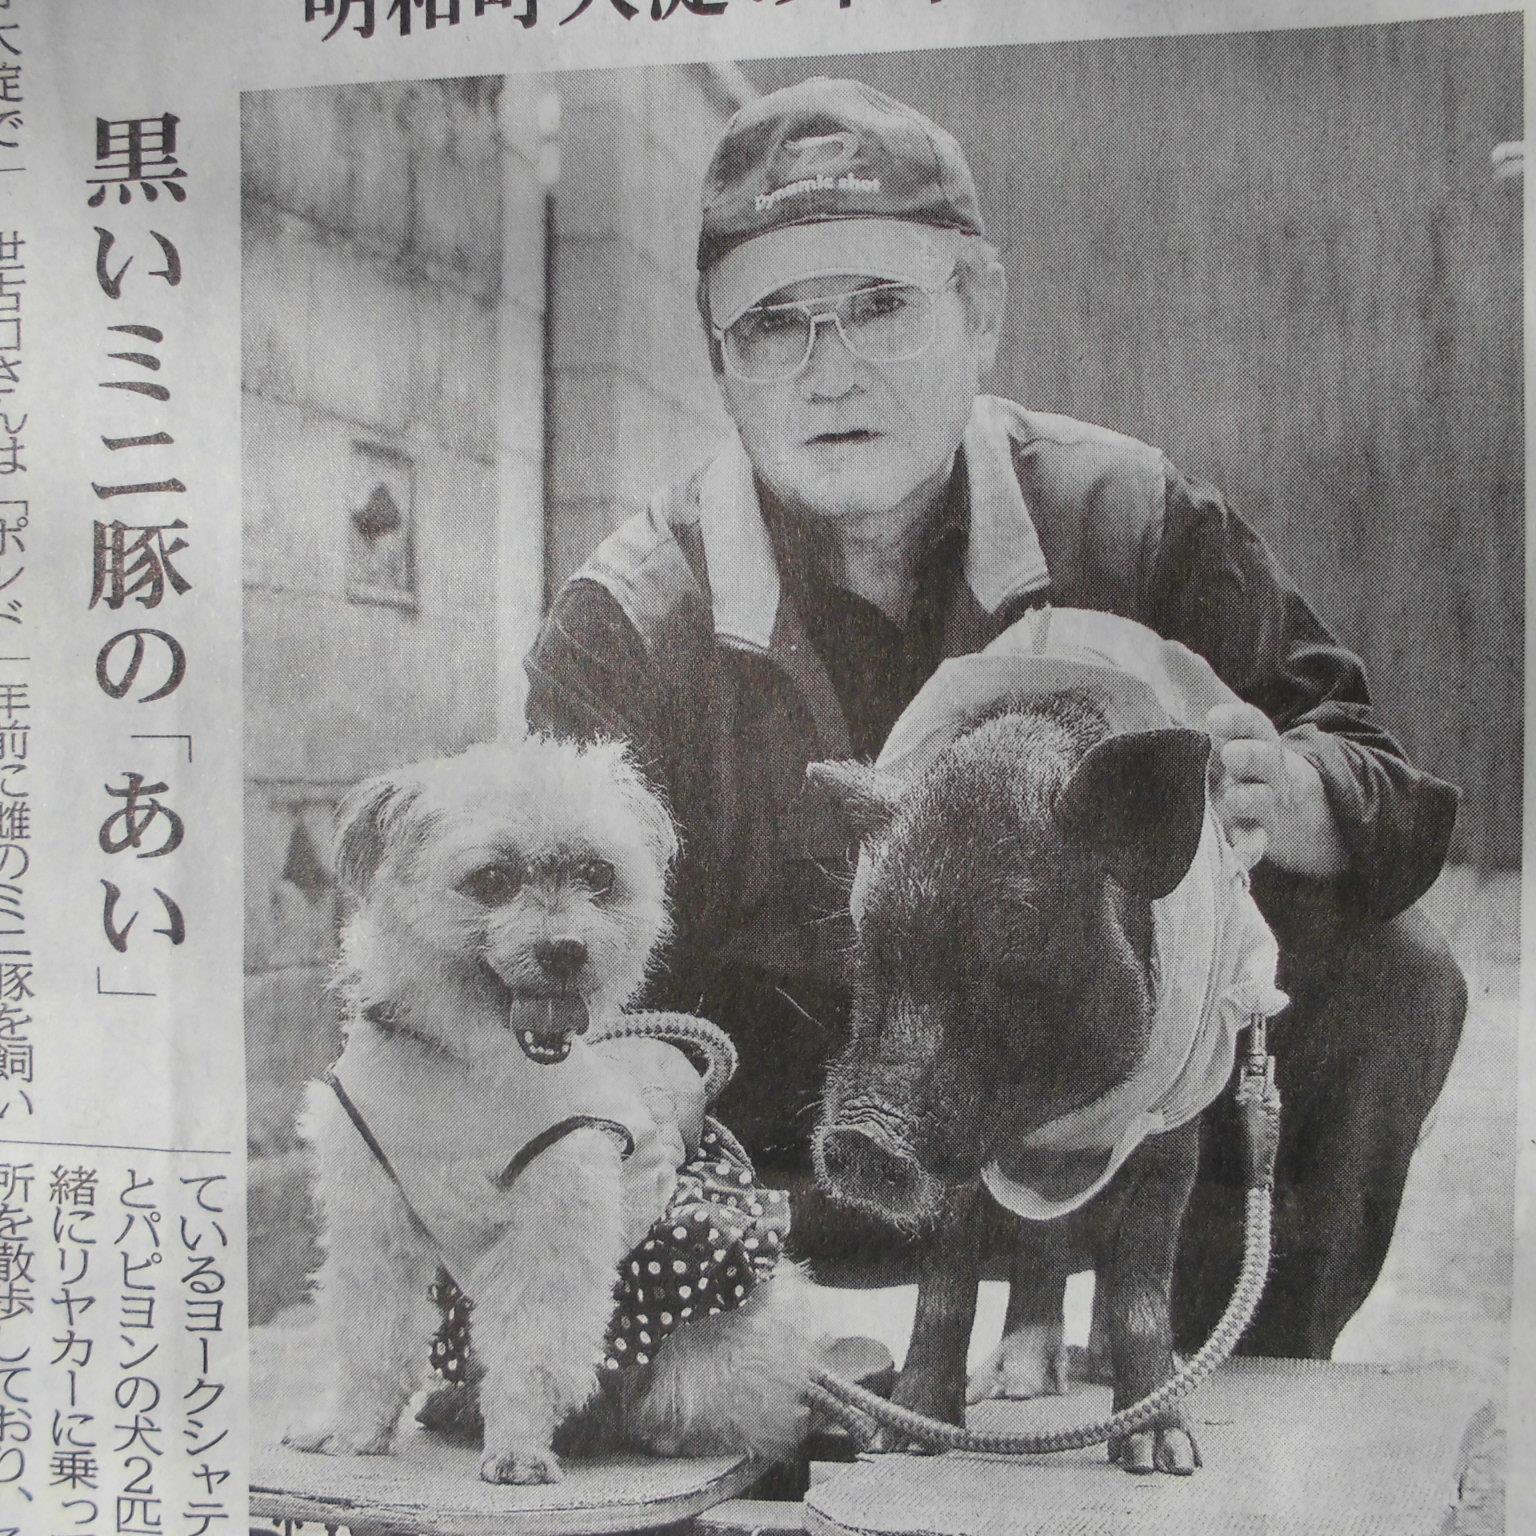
(293, 1033)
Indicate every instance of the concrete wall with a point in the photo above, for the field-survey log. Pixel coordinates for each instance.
(393, 296)
(634, 406)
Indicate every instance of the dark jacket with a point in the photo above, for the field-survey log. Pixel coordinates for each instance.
(678, 636)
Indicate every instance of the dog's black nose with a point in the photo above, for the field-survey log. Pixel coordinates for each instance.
(560, 958)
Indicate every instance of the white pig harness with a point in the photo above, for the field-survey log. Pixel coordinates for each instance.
(1214, 957)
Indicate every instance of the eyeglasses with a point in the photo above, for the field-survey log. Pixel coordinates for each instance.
(882, 323)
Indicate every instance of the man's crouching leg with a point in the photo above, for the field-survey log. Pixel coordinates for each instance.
(1361, 1056)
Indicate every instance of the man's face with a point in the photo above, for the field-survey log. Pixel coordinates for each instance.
(849, 440)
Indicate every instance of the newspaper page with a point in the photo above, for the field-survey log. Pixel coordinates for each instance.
(534, 947)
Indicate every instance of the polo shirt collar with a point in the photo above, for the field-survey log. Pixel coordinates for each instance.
(1003, 558)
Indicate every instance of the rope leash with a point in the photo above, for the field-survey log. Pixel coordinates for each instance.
(1258, 1102)
(680, 1029)
(854, 1405)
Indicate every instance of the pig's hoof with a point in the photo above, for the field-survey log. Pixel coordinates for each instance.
(521, 1464)
(1170, 1448)
(1031, 1362)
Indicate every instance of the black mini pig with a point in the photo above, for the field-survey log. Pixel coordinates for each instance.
(1004, 977)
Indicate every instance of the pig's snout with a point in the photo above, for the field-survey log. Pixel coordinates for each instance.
(863, 1164)
(856, 1158)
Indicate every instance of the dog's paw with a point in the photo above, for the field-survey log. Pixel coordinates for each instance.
(1030, 1362)
(521, 1464)
(328, 1438)
(1168, 1448)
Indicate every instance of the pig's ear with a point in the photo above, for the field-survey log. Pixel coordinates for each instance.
(1137, 802)
(864, 798)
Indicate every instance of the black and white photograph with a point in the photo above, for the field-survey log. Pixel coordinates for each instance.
(883, 760)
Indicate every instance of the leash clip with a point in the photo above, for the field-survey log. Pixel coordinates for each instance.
(1258, 1102)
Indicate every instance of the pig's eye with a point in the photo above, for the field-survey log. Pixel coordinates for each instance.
(597, 875)
(492, 885)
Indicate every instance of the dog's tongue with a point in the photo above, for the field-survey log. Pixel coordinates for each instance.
(547, 1023)
(548, 1016)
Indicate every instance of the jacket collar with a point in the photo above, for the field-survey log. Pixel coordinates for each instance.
(1003, 558)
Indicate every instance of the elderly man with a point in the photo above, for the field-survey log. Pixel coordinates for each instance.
(875, 513)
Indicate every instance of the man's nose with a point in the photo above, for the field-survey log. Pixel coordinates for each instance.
(832, 370)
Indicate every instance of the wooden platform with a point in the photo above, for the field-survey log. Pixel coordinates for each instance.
(430, 1489)
(1291, 1449)
(427, 1487)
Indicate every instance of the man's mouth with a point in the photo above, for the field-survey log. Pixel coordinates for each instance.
(544, 1023)
(841, 439)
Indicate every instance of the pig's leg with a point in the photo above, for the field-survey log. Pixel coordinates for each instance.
(1031, 1360)
(1093, 1363)
(1140, 1275)
(932, 1380)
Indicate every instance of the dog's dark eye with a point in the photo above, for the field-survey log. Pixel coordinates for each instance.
(596, 875)
(492, 886)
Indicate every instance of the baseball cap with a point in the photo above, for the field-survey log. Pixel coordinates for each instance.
(829, 178)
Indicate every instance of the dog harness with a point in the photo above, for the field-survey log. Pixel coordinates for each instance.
(1214, 956)
(711, 1238)
(720, 1235)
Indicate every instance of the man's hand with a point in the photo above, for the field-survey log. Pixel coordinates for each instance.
(1269, 797)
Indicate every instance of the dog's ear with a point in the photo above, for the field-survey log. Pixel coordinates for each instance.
(1137, 802)
(366, 819)
(863, 798)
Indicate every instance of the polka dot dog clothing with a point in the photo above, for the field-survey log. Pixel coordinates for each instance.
(701, 1233)
(719, 1236)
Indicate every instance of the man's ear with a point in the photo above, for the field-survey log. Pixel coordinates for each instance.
(864, 798)
(1137, 802)
(987, 305)
(368, 816)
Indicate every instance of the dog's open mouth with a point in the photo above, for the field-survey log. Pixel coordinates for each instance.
(545, 1024)
(543, 1020)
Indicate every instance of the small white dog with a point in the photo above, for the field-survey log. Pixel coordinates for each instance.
(502, 900)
